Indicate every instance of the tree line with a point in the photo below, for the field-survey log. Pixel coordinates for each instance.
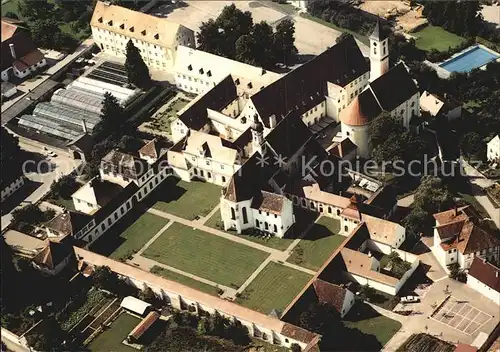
(234, 35)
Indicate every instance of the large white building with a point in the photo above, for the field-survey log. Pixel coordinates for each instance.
(484, 277)
(156, 38)
(458, 239)
(493, 149)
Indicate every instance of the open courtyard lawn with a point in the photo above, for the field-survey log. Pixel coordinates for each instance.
(318, 244)
(128, 235)
(436, 38)
(281, 244)
(273, 288)
(171, 275)
(111, 339)
(186, 199)
(136, 236)
(367, 320)
(205, 255)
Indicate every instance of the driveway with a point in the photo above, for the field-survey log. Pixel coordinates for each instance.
(40, 172)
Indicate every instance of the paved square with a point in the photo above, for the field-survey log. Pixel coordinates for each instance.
(461, 316)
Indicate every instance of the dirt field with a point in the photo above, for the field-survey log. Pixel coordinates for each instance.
(311, 38)
(406, 18)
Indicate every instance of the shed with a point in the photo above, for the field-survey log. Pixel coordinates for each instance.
(143, 326)
(135, 305)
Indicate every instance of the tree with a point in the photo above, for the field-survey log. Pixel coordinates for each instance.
(10, 14)
(284, 42)
(473, 146)
(457, 273)
(414, 222)
(26, 217)
(64, 187)
(209, 37)
(48, 336)
(104, 278)
(35, 9)
(245, 49)
(342, 36)
(112, 115)
(431, 196)
(383, 126)
(263, 38)
(367, 292)
(148, 295)
(46, 33)
(9, 156)
(137, 71)
(233, 24)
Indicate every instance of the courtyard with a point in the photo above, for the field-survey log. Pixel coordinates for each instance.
(273, 288)
(184, 280)
(188, 200)
(205, 255)
(461, 315)
(318, 244)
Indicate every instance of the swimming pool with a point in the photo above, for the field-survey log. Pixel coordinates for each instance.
(469, 60)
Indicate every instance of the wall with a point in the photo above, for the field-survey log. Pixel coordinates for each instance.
(194, 83)
(483, 289)
(10, 189)
(493, 149)
(359, 136)
(404, 112)
(84, 206)
(179, 130)
(315, 114)
(349, 301)
(5, 74)
(375, 284)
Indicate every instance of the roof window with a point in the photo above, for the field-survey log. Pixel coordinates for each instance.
(209, 73)
(122, 26)
(157, 36)
(131, 29)
(201, 71)
(110, 23)
(99, 20)
(143, 32)
(190, 68)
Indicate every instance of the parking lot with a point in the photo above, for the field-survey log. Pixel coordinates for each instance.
(311, 38)
(461, 316)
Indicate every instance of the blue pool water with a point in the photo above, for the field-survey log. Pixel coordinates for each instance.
(469, 60)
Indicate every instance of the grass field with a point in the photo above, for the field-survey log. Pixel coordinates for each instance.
(281, 244)
(366, 319)
(363, 39)
(197, 285)
(162, 120)
(273, 288)
(137, 234)
(187, 199)
(205, 255)
(436, 38)
(319, 243)
(111, 339)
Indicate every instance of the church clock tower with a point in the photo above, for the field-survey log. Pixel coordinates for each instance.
(379, 52)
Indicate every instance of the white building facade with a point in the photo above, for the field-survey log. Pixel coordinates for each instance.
(493, 149)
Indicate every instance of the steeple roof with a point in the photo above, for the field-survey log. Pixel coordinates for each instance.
(378, 33)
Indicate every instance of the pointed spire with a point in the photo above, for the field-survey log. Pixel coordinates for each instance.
(378, 33)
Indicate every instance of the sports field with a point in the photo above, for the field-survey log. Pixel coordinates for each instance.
(205, 255)
(436, 38)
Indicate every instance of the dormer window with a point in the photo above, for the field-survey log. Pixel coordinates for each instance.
(237, 81)
(131, 29)
(122, 26)
(209, 73)
(157, 36)
(190, 68)
(249, 85)
(110, 23)
(99, 20)
(201, 71)
(143, 32)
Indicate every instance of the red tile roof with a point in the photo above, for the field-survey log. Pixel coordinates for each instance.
(144, 325)
(28, 60)
(486, 273)
(330, 294)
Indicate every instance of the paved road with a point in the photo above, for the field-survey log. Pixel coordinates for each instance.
(479, 182)
(54, 167)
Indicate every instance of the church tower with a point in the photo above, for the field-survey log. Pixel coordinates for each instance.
(379, 52)
(257, 136)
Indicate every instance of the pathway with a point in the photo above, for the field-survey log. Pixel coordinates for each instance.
(158, 234)
(204, 219)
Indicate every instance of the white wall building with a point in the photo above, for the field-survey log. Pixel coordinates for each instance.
(9, 188)
(436, 105)
(457, 239)
(493, 149)
(156, 38)
(485, 279)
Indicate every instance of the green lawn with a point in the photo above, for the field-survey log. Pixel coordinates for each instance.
(137, 234)
(187, 199)
(205, 255)
(111, 339)
(273, 288)
(367, 320)
(197, 285)
(436, 38)
(281, 244)
(319, 243)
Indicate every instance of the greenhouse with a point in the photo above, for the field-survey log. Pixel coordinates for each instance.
(83, 100)
(67, 114)
(48, 127)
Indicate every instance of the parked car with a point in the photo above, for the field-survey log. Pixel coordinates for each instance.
(410, 299)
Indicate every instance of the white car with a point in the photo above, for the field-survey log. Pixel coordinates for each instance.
(410, 299)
